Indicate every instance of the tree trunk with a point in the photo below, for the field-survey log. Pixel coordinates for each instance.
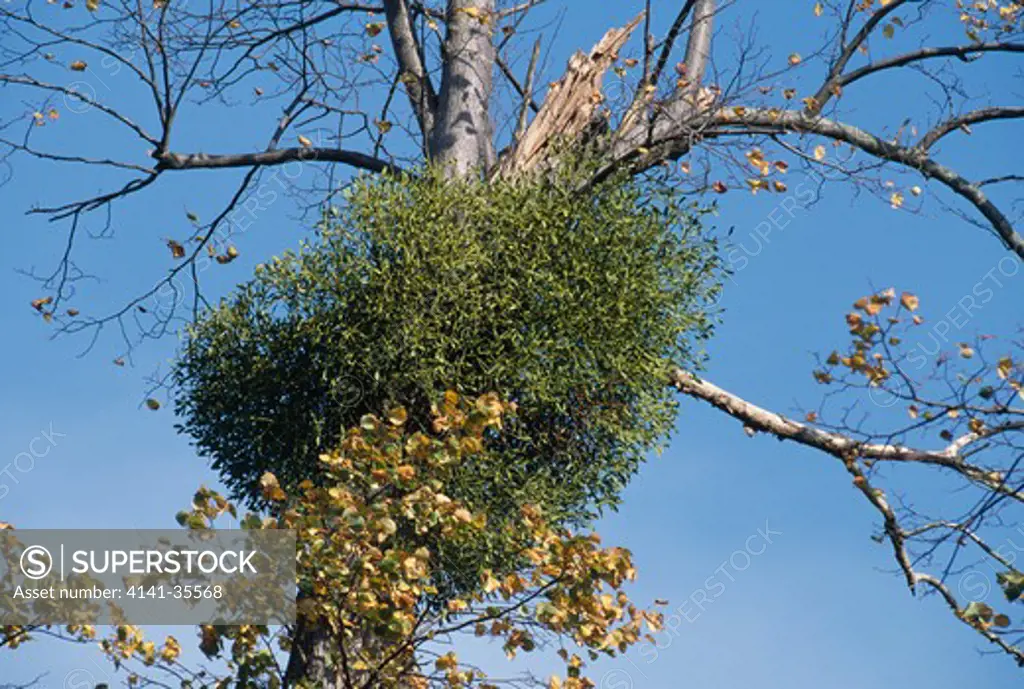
(463, 135)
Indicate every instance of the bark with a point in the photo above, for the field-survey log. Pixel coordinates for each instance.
(463, 136)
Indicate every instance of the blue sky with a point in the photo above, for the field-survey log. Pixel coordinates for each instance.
(812, 602)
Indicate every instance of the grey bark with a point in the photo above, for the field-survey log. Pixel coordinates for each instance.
(463, 136)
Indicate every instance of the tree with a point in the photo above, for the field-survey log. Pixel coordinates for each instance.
(677, 113)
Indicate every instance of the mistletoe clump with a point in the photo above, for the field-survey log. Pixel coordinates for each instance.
(571, 302)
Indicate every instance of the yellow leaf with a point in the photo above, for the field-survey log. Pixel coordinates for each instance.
(818, 9)
(909, 301)
(152, 404)
(756, 185)
(398, 416)
(78, 66)
(819, 153)
(896, 199)
(305, 141)
(271, 488)
(92, 5)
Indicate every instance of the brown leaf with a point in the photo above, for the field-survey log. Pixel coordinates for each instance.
(38, 304)
(909, 301)
(177, 250)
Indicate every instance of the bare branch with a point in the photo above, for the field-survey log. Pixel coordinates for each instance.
(412, 71)
(967, 119)
(531, 72)
(962, 51)
(196, 161)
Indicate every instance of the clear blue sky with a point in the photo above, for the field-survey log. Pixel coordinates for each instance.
(819, 606)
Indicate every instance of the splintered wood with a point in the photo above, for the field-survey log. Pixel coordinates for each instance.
(569, 106)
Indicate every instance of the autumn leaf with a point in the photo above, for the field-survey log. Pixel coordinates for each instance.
(795, 59)
(271, 487)
(373, 29)
(909, 301)
(92, 5)
(177, 250)
(719, 187)
(78, 66)
(819, 153)
(818, 9)
(38, 304)
(756, 185)
(304, 141)
(152, 404)
(398, 416)
(228, 256)
(896, 200)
